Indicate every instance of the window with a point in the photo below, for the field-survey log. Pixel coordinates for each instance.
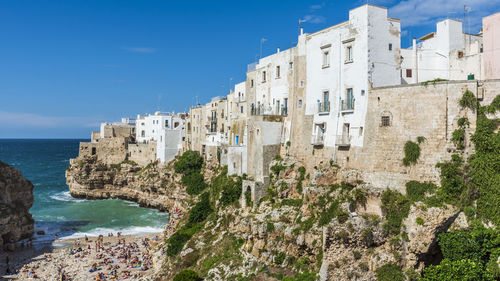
(241, 109)
(300, 104)
(263, 76)
(166, 123)
(360, 131)
(251, 83)
(390, 47)
(290, 65)
(326, 58)
(386, 121)
(408, 73)
(143, 133)
(278, 71)
(348, 54)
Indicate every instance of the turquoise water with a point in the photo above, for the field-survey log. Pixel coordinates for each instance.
(44, 162)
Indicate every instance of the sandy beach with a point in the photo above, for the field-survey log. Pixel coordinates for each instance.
(96, 258)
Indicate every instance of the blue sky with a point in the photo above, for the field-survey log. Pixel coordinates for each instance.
(65, 66)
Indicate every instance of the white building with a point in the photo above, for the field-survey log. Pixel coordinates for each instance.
(166, 129)
(272, 83)
(448, 53)
(343, 62)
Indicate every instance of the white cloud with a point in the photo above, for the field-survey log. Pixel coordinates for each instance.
(428, 12)
(314, 19)
(313, 8)
(30, 120)
(139, 49)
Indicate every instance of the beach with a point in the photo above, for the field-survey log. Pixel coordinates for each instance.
(124, 257)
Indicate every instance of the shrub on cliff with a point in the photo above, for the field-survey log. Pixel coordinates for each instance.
(194, 182)
(389, 272)
(452, 179)
(416, 190)
(447, 270)
(396, 207)
(190, 160)
(187, 275)
(201, 210)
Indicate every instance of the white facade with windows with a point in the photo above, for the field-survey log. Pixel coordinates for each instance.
(447, 53)
(272, 84)
(166, 129)
(343, 62)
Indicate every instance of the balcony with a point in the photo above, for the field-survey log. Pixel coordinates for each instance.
(347, 105)
(260, 111)
(343, 140)
(324, 107)
(318, 139)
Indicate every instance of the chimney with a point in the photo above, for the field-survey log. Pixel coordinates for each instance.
(278, 50)
(414, 43)
(301, 30)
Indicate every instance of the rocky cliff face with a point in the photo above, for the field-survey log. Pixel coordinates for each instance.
(16, 199)
(154, 186)
(327, 223)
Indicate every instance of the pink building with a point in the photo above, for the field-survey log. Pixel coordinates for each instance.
(491, 46)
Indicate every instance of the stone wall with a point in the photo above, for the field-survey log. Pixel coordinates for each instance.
(417, 110)
(142, 153)
(112, 150)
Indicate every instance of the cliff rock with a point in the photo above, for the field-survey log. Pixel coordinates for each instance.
(16, 199)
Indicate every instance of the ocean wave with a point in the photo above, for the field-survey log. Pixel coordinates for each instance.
(65, 196)
(125, 231)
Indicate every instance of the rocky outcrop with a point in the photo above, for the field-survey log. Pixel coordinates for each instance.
(153, 186)
(16, 199)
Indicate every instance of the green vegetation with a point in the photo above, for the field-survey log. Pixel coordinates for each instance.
(279, 258)
(464, 270)
(458, 138)
(189, 165)
(302, 173)
(291, 202)
(426, 83)
(419, 221)
(229, 188)
(187, 275)
(452, 179)
(276, 169)
(484, 164)
(194, 182)
(468, 100)
(390, 272)
(472, 254)
(396, 207)
(356, 254)
(412, 153)
(197, 215)
(416, 191)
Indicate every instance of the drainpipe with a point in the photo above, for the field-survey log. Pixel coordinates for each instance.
(416, 58)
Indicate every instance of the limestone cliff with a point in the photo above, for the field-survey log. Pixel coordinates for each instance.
(327, 224)
(16, 199)
(154, 186)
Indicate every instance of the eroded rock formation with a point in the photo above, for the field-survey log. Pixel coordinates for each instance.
(16, 199)
(154, 186)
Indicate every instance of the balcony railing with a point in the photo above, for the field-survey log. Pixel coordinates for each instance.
(318, 139)
(259, 111)
(323, 107)
(343, 140)
(347, 105)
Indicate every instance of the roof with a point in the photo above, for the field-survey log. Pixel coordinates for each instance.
(427, 36)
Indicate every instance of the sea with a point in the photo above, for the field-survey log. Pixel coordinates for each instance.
(44, 162)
